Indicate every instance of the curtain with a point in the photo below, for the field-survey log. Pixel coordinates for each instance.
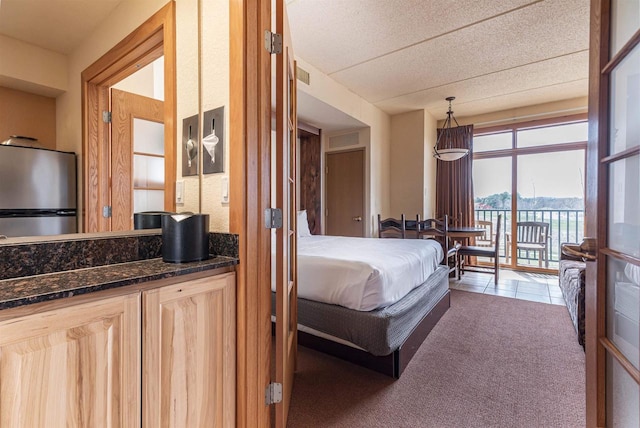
(454, 181)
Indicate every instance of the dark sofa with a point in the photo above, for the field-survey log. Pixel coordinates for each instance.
(572, 283)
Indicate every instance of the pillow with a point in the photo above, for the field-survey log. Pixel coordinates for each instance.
(303, 224)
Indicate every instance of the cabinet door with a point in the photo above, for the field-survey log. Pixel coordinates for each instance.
(189, 354)
(76, 366)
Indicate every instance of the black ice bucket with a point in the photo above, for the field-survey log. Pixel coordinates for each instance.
(185, 237)
(149, 219)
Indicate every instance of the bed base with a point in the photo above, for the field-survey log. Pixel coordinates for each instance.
(391, 365)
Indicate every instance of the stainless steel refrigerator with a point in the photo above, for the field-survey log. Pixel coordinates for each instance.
(37, 191)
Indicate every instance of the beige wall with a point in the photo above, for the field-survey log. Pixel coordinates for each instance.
(33, 69)
(429, 201)
(215, 93)
(187, 87)
(407, 164)
(378, 145)
(524, 114)
(29, 115)
(413, 167)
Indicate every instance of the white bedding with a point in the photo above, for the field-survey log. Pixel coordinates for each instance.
(363, 273)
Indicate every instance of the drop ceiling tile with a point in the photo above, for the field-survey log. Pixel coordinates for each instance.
(336, 34)
(522, 79)
(535, 33)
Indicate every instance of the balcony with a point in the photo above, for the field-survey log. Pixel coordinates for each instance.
(564, 226)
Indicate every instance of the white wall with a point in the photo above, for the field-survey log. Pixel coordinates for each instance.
(145, 81)
(329, 91)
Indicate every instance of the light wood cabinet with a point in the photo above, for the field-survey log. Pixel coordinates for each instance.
(189, 354)
(158, 355)
(73, 366)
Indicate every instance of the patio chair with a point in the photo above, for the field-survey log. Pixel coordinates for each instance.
(531, 236)
(487, 239)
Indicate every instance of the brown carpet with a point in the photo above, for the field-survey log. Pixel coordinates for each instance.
(490, 362)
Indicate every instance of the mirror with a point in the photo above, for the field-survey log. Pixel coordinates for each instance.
(53, 72)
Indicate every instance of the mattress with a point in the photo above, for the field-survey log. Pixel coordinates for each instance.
(363, 273)
(380, 331)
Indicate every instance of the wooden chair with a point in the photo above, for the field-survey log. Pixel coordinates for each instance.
(474, 250)
(437, 229)
(531, 236)
(411, 228)
(391, 227)
(485, 240)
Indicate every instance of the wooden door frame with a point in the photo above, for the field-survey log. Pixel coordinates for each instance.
(365, 215)
(597, 344)
(250, 195)
(151, 40)
(595, 217)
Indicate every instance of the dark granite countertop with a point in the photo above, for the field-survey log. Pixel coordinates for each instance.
(39, 288)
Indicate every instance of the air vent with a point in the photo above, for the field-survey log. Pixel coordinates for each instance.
(345, 140)
(302, 75)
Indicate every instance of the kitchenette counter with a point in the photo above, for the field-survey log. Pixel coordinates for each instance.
(26, 290)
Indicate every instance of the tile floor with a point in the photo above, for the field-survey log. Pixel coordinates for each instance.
(520, 285)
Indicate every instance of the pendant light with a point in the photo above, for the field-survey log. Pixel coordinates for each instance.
(444, 150)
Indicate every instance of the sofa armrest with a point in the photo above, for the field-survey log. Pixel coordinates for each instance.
(570, 251)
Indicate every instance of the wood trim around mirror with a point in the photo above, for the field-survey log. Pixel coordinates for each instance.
(151, 40)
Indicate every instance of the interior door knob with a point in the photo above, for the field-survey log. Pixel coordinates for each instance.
(357, 218)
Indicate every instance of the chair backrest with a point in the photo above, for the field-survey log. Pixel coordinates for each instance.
(391, 227)
(411, 228)
(532, 232)
(488, 230)
(498, 229)
(435, 228)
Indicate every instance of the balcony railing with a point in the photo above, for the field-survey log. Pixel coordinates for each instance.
(564, 226)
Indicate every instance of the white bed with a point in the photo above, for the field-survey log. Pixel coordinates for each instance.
(370, 301)
(363, 273)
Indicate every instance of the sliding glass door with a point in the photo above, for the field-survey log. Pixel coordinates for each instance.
(533, 174)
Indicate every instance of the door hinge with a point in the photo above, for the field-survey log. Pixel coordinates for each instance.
(273, 393)
(106, 211)
(106, 116)
(273, 42)
(273, 218)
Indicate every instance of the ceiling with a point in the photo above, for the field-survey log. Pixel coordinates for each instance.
(405, 55)
(400, 55)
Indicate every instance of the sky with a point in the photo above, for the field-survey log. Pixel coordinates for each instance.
(558, 174)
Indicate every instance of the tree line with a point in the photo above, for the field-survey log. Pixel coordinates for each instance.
(502, 201)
